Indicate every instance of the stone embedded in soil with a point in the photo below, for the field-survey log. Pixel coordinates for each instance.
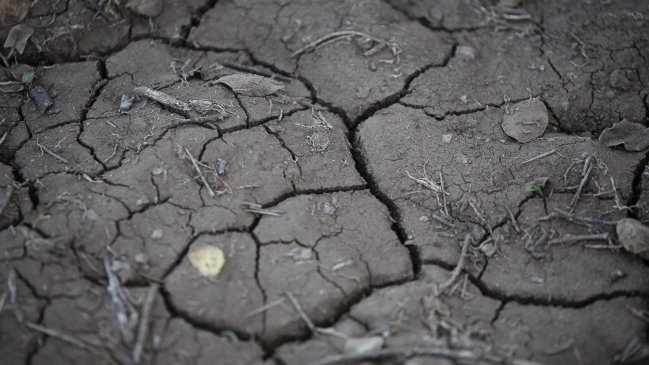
(278, 31)
(634, 236)
(70, 85)
(526, 121)
(634, 136)
(481, 167)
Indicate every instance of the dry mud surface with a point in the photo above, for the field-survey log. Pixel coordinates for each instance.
(322, 222)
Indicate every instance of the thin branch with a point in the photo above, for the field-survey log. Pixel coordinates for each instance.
(144, 322)
(200, 173)
(71, 340)
(588, 168)
(538, 157)
(458, 269)
(51, 153)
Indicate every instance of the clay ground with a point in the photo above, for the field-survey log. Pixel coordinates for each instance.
(341, 203)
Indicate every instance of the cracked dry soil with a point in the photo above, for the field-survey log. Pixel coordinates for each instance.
(341, 204)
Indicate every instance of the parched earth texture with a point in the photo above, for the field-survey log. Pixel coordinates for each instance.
(343, 199)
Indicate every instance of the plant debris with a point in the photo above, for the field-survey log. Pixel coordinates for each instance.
(17, 38)
(250, 84)
(634, 136)
(164, 99)
(634, 236)
(527, 121)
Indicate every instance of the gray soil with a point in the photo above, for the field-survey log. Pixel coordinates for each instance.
(375, 210)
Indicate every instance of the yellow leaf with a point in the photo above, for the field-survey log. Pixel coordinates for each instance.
(208, 260)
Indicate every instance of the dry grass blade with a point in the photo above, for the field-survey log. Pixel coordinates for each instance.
(258, 209)
(71, 340)
(455, 275)
(3, 300)
(331, 37)
(143, 328)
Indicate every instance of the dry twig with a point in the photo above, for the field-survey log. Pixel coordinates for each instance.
(143, 328)
(164, 99)
(51, 153)
(588, 167)
(258, 209)
(332, 37)
(458, 269)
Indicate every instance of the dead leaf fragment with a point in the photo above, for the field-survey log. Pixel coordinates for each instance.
(208, 260)
(634, 136)
(17, 38)
(527, 122)
(251, 84)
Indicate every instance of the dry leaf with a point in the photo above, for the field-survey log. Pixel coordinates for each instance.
(17, 38)
(251, 84)
(527, 121)
(208, 260)
(634, 136)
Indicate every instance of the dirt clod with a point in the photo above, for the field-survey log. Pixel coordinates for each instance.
(634, 236)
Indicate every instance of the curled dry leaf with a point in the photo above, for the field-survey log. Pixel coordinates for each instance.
(251, 84)
(208, 260)
(634, 136)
